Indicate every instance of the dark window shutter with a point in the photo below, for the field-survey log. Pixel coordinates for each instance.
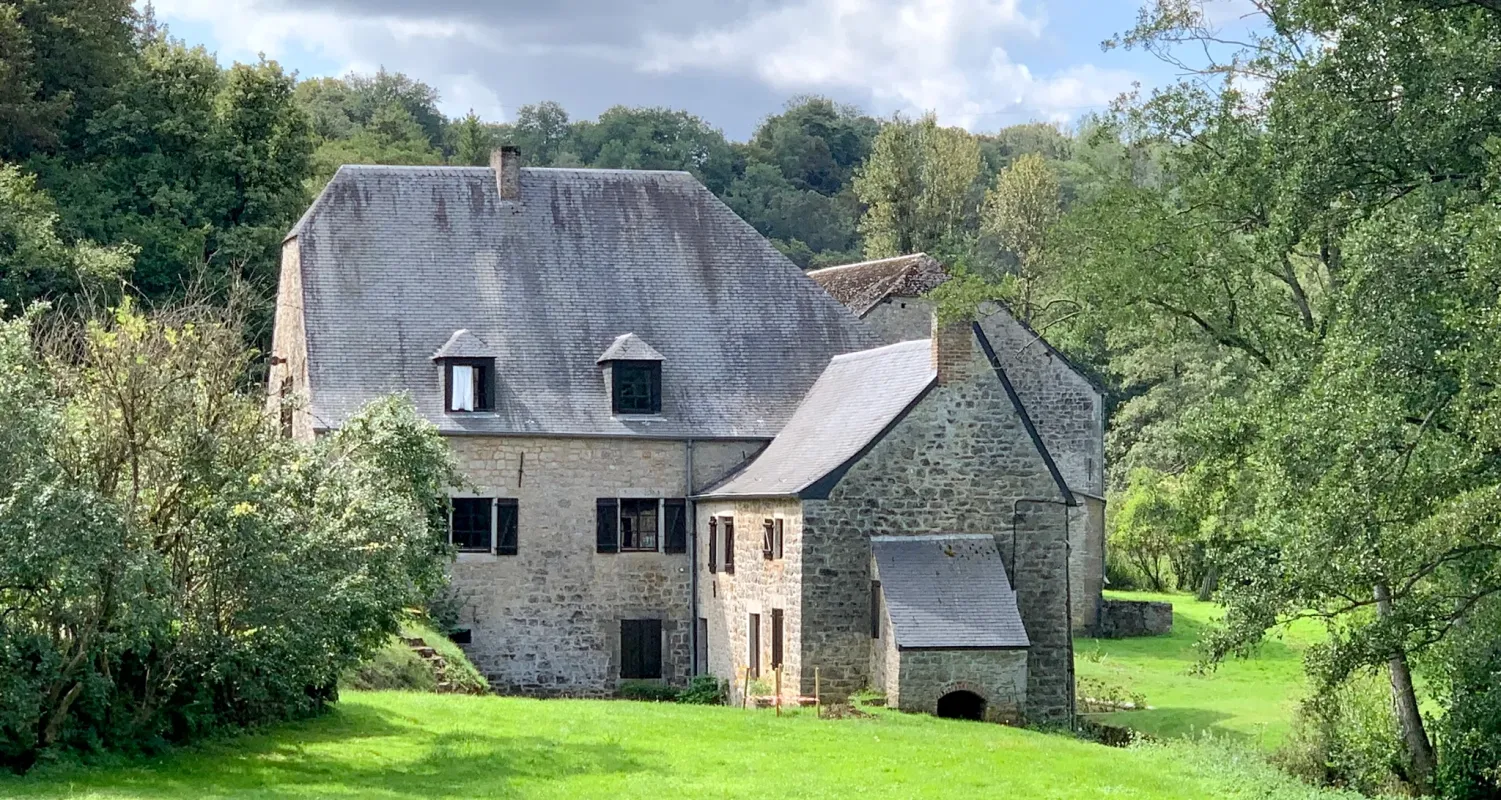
(676, 525)
(875, 609)
(640, 648)
(505, 527)
(776, 638)
(651, 648)
(781, 527)
(729, 545)
(713, 544)
(606, 526)
(768, 539)
(484, 393)
(630, 648)
(753, 646)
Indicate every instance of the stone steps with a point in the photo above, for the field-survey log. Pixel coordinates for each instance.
(436, 662)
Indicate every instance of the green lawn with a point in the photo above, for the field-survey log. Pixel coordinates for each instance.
(1252, 699)
(398, 746)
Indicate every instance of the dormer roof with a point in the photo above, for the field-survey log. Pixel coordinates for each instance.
(463, 344)
(629, 347)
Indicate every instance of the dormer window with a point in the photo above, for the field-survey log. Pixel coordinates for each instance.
(471, 384)
(633, 376)
(468, 374)
(638, 387)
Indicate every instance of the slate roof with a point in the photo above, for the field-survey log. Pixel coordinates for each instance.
(855, 401)
(463, 344)
(947, 591)
(863, 286)
(395, 259)
(629, 347)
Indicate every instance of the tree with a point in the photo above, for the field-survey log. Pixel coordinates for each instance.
(656, 138)
(473, 141)
(34, 260)
(543, 133)
(915, 186)
(1020, 211)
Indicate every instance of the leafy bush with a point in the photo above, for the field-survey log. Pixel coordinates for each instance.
(1467, 681)
(868, 696)
(705, 690)
(169, 564)
(648, 690)
(1347, 737)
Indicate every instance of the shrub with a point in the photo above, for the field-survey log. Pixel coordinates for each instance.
(705, 690)
(170, 564)
(868, 696)
(649, 691)
(1346, 737)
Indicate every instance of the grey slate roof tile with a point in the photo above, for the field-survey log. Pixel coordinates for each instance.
(629, 347)
(854, 401)
(395, 259)
(463, 344)
(947, 591)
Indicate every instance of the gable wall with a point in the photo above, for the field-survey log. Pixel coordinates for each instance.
(959, 462)
(289, 343)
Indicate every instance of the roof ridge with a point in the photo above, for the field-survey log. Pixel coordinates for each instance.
(861, 355)
(866, 263)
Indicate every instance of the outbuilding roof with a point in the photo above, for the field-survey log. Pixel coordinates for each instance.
(863, 286)
(395, 259)
(947, 591)
(855, 401)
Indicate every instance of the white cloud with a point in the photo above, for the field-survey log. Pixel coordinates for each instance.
(915, 55)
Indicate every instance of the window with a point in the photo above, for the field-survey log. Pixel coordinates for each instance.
(675, 526)
(875, 609)
(713, 545)
(505, 526)
(753, 643)
(638, 524)
(641, 525)
(728, 523)
(771, 538)
(478, 521)
(470, 527)
(640, 648)
(776, 638)
(780, 527)
(469, 384)
(637, 387)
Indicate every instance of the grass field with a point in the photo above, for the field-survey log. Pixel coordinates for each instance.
(399, 746)
(1252, 699)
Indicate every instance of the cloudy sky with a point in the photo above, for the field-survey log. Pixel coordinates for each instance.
(982, 64)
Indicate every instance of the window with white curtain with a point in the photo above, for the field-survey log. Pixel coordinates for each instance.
(462, 396)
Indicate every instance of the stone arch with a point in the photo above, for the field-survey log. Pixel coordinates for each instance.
(961, 704)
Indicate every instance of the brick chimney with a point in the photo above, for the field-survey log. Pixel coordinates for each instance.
(506, 161)
(953, 349)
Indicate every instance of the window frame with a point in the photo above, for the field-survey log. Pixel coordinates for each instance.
(453, 513)
(653, 387)
(641, 505)
(484, 392)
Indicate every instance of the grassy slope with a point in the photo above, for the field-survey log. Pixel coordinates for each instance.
(398, 746)
(1252, 699)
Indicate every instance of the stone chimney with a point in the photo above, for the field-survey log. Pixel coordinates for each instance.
(953, 349)
(506, 161)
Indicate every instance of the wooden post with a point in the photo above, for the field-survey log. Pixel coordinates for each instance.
(779, 691)
(817, 698)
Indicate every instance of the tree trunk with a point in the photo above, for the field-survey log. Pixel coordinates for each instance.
(1405, 703)
(1211, 582)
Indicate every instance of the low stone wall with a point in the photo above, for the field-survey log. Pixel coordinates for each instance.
(1122, 619)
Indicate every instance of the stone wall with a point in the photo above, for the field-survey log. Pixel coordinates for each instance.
(547, 620)
(999, 677)
(289, 345)
(959, 462)
(758, 586)
(1121, 619)
(1069, 413)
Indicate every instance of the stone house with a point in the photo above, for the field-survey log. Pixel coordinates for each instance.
(629, 376)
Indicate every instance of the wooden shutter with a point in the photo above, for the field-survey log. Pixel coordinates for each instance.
(606, 525)
(675, 525)
(875, 609)
(776, 638)
(768, 539)
(729, 545)
(713, 545)
(505, 526)
(640, 648)
(781, 526)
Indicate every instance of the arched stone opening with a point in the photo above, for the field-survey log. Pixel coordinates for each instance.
(961, 704)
